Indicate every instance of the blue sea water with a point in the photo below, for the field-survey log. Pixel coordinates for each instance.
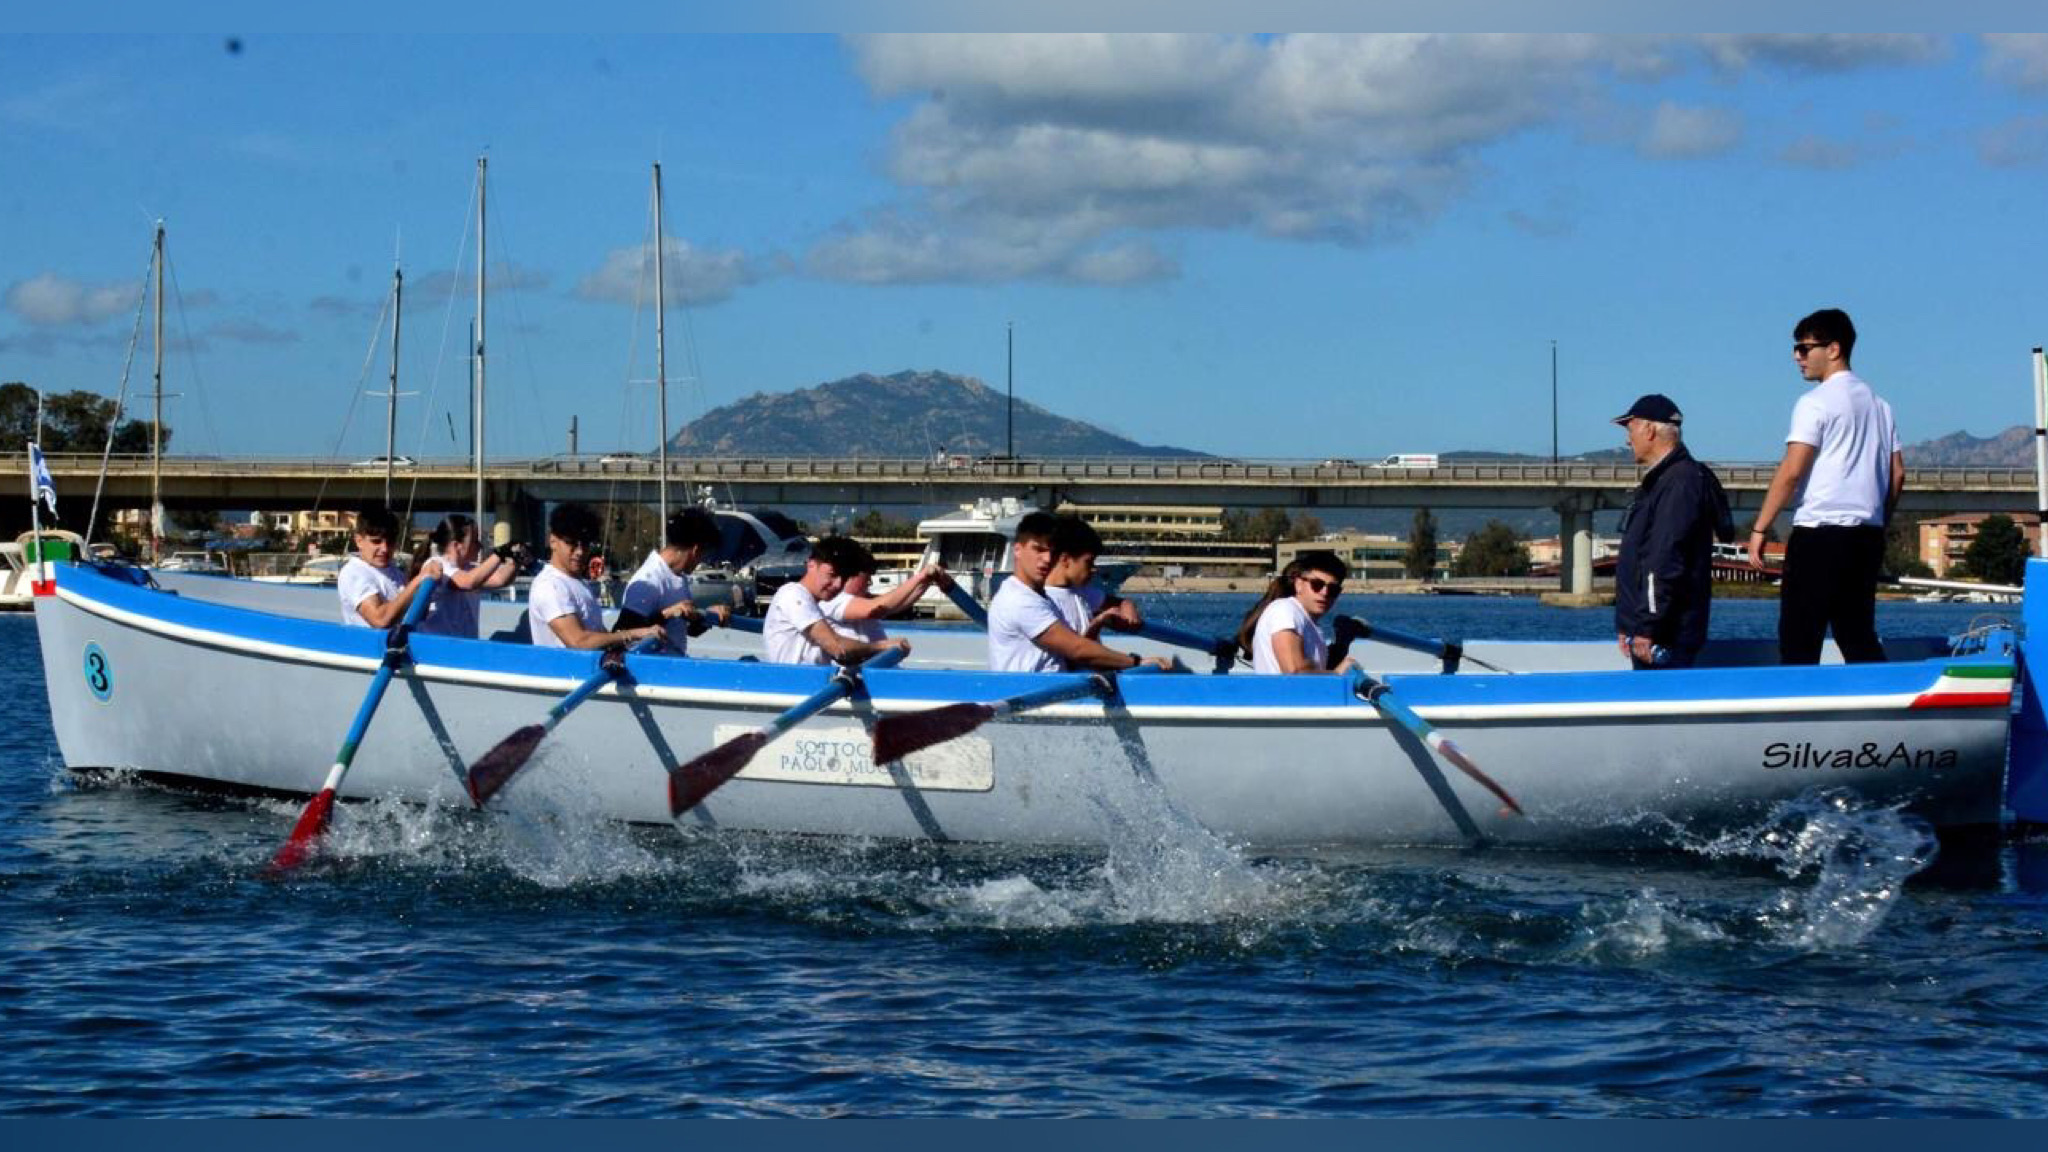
(1825, 962)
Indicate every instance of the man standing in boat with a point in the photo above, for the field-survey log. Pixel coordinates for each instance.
(1844, 471)
(374, 593)
(1663, 580)
(1026, 632)
(659, 592)
(560, 610)
(795, 630)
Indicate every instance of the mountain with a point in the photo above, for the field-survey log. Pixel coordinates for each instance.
(2012, 448)
(909, 415)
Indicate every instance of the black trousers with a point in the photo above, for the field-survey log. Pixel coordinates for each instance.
(1830, 582)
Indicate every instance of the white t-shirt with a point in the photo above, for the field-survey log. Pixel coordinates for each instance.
(790, 613)
(656, 586)
(556, 594)
(1016, 617)
(869, 629)
(1287, 615)
(1852, 469)
(1077, 606)
(453, 611)
(359, 581)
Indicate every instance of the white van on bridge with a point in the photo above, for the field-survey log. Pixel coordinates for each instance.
(1409, 460)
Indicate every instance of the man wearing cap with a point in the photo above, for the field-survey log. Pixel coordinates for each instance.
(1663, 582)
(1844, 471)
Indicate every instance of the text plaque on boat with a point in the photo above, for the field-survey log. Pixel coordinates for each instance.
(843, 755)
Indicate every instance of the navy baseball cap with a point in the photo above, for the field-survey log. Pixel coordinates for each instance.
(1656, 406)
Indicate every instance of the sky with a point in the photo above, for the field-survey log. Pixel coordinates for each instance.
(1275, 246)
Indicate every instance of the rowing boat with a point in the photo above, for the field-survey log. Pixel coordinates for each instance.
(213, 693)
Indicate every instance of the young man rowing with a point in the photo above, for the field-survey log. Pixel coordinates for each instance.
(1026, 630)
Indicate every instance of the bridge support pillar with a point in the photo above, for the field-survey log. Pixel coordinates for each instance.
(1579, 577)
(1575, 570)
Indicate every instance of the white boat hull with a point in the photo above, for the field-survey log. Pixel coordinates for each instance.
(228, 698)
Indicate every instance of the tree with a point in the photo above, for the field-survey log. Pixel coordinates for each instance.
(1305, 527)
(1267, 526)
(1998, 553)
(1495, 550)
(873, 524)
(1902, 550)
(72, 422)
(1420, 561)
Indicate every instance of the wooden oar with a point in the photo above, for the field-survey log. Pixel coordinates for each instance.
(966, 604)
(692, 782)
(1449, 651)
(1378, 694)
(494, 768)
(320, 809)
(899, 736)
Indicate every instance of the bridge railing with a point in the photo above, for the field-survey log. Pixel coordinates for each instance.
(1050, 470)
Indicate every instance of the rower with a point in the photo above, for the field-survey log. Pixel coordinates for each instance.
(561, 612)
(795, 629)
(659, 592)
(1026, 631)
(374, 593)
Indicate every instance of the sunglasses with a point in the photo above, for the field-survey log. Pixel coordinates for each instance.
(1318, 585)
(1805, 346)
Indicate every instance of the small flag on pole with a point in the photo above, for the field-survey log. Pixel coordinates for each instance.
(40, 486)
(41, 490)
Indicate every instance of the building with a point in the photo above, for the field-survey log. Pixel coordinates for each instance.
(1373, 558)
(1944, 539)
(1175, 541)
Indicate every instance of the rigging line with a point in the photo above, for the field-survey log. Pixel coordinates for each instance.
(355, 397)
(532, 381)
(628, 406)
(192, 356)
(121, 398)
(441, 353)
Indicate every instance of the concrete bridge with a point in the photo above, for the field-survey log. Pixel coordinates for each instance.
(518, 489)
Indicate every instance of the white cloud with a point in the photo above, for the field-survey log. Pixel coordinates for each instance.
(694, 276)
(1055, 155)
(50, 300)
(1677, 131)
(2017, 57)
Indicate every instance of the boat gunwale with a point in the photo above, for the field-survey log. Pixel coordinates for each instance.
(1909, 685)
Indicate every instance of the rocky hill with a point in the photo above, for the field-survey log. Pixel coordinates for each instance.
(2012, 448)
(909, 414)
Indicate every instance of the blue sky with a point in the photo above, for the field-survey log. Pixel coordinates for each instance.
(1281, 246)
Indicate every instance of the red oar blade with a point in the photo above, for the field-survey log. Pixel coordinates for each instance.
(700, 777)
(494, 768)
(899, 736)
(312, 822)
(1450, 752)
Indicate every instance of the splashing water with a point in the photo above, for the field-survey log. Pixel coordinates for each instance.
(1856, 858)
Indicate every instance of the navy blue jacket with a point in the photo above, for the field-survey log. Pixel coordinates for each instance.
(1663, 582)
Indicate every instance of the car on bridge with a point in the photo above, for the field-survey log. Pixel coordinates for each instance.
(378, 462)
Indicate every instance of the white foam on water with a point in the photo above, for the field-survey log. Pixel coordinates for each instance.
(1853, 857)
(1641, 928)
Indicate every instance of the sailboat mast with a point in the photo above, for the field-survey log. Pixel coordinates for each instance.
(156, 425)
(660, 358)
(391, 398)
(477, 407)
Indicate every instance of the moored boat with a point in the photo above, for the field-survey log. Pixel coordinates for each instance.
(1594, 757)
